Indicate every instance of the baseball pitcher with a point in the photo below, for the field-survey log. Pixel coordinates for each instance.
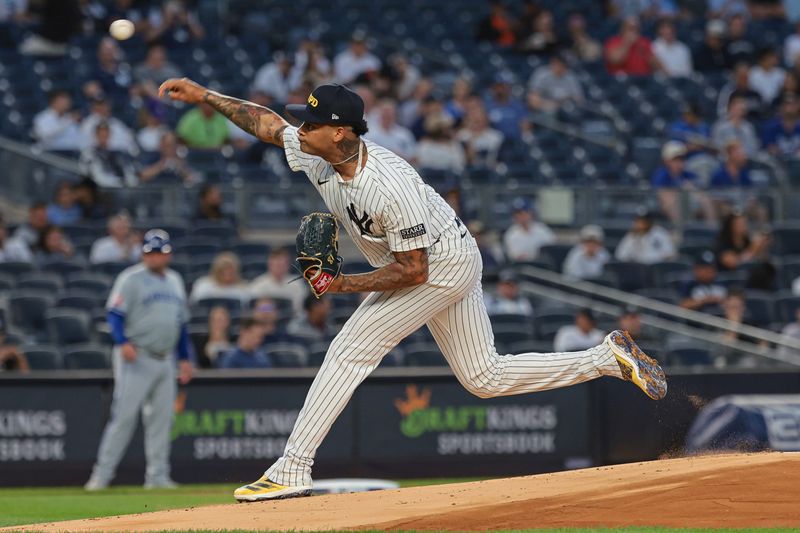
(147, 313)
(427, 272)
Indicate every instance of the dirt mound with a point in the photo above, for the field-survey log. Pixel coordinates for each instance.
(754, 490)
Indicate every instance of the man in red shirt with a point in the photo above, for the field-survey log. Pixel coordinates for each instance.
(629, 52)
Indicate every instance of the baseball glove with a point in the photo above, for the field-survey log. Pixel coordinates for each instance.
(318, 251)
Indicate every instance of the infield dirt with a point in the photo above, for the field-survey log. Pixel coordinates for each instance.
(732, 490)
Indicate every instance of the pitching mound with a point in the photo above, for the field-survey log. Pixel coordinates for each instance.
(756, 490)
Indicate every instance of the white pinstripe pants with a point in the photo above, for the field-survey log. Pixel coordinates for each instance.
(451, 304)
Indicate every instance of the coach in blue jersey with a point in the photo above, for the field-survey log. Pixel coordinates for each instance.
(148, 315)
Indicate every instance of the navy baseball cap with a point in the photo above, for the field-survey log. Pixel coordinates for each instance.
(156, 240)
(331, 104)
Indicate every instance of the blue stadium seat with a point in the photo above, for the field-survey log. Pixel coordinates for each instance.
(95, 282)
(88, 356)
(423, 354)
(43, 357)
(288, 354)
(548, 323)
(28, 309)
(15, 268)
(787, 306)
(787, 240)
(43, 281)
(68, 326)
(689, 357)
(760, 308)
(80, 299)
(630, 276)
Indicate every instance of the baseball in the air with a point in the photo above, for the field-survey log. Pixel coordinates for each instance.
(121, 29)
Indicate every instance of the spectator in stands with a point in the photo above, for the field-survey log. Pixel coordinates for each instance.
(107, 167)
(648, 9)
(703, 293)
(739, 47)
(53, 244)
(734, 309)
(12, 249)
(219, 336)
(58, 21)
(506, 298)
(526, 236)
(355, 61)
(64, 209)
(412, 111)
(551, 86)
(389, 134)
(121, 245)
(404, 75)
(94, 204)
(149, 135)
(314, 324)
(461, 97)
(266, 312)
(735, 245)
(629, 52)
(275, 282)
(30, 230)
(587, 259)
(781, 136)
(630, 320)
(249, 352)
(481, 142)
(673, 56)
(736, 128)
(224, 280)
(791, 331)
(438, 150)
(691, 130)
(111, 71)
(796, 286)
(311, 65)
(766, 78)
(497, 27)
(712, 55)
(540, 37)
(645, 242)
(210, 206)
(727, 8)
(56, 128)
(506, 112)
(11, 357)
(739, 87)
(580, 336)
(582, 45)
(671, 177)
(491, 251)
(203, 128)
(277, 78)
(734, 171)
(174, 25)
(171, 165)
(791, 48)
(121, 138)
(155, 68)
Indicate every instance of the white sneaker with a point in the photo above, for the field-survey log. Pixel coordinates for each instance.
(94, 484)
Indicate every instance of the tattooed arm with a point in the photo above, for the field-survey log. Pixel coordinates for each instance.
(259, 121)
(410, 269)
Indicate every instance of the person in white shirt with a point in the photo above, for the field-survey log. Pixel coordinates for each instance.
(121, 137)
(354, 61)
(388, 133)
(645, 242)
(791, 48)
(438, 150)
(277, 78)
(581, 335)
(553, 85)
(275, 282)
(674, 56)
(120, 245)
(481, 141)
(224, 280)
(149, 136)
(766, 78)
(56, 128)
(12, 249)
(107, 167)
(588, 258)
(507, 299)
(796, 286)
(526, 236)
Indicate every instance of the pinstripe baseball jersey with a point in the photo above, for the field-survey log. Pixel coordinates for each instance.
(386, 207)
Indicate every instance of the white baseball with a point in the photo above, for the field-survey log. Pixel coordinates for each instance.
(121, 29)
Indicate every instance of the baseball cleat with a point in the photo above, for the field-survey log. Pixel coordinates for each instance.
(264, 489)
(636, 366)
(94, 484)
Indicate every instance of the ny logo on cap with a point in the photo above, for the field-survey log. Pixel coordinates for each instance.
(334, 116)
(313, 101)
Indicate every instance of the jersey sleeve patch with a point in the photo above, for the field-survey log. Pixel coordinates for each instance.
(413, 231)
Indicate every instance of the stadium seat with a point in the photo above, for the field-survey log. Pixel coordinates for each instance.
(555, 254)
(43, 357)
(111, 268)
(215, 232)
(93, 282)
(423, 354)
(787, 240)
(760, 308)
(254, 251)
(288, 354)
(630, 276)
(787, 306)
(87, 357)
(233, 305)
(548, 323)
(689, 357)
(28, 309)
(789, 272)
(41, 281)
(64, 267)
(6, 282)
(661, 271)
(15, 268)
(68, 326)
